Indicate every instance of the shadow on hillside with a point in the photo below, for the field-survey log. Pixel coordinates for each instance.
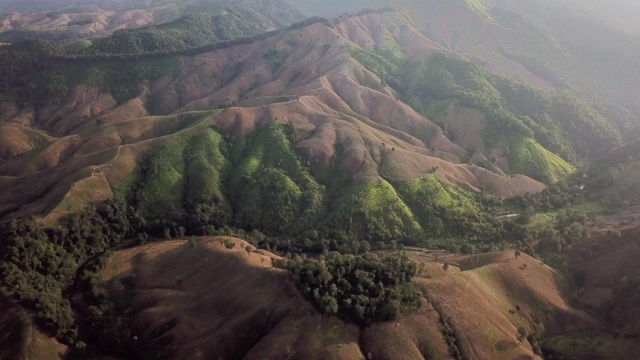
(202, 300)
(13, 330)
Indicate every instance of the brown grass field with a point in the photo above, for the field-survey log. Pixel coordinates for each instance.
(199, 299)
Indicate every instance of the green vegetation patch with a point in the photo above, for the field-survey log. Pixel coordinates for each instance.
(563, 123)
(120, 78)
(260, 182)
(191, 31)
(204, 188)
(373, 210)
(164, 181)
(377, 64)
(528, 157)
(40, 266)
(271, 189)
(615, 179)
(445, 210)
(479, 7)
(274, 57)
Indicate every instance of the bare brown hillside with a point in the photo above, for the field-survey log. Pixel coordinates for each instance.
(304, 78)
(605, 259)
(231, 303)
(488, 304)
(16, 139)
(88, 24)
(211, 302)
(469, 29)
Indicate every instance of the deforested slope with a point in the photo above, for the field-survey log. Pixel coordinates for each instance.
(203, 295)
(339, 111)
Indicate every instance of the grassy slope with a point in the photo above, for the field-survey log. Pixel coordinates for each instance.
(528, 157)
(477, 302)
(374, 208)
(488, 304)
(425, 195)
(262, 182)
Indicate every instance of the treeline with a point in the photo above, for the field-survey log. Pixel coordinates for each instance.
(361, 289)
(39, 266)
(22, 68)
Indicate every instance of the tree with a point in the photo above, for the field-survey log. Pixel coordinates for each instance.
(522, 334)
(445, 266)
(517, 253)
(467, 248)
(228, 244)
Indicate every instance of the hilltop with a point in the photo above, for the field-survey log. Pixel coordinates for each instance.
(169, 304)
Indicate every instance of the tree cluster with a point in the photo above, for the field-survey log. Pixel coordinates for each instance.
(361, 289)
(40, 265)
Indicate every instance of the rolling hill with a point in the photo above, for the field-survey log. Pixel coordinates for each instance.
(79, 24)
(317, 116)
(381, 129)
(169, 304)
(303, 79)
(539, 43)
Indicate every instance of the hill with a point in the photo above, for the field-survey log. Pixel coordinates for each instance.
(325, 99)
(153, 22)
(605, 281)
(539, 43)
(343, 135)
(169, 305)
(341, 117)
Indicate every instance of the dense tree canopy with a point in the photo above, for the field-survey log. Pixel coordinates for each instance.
(362, 289)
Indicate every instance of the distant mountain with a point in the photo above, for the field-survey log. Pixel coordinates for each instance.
(539, 43)
(36, 6)
(199, 29)
(75, 23)
(620, 14)
(424, 109)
